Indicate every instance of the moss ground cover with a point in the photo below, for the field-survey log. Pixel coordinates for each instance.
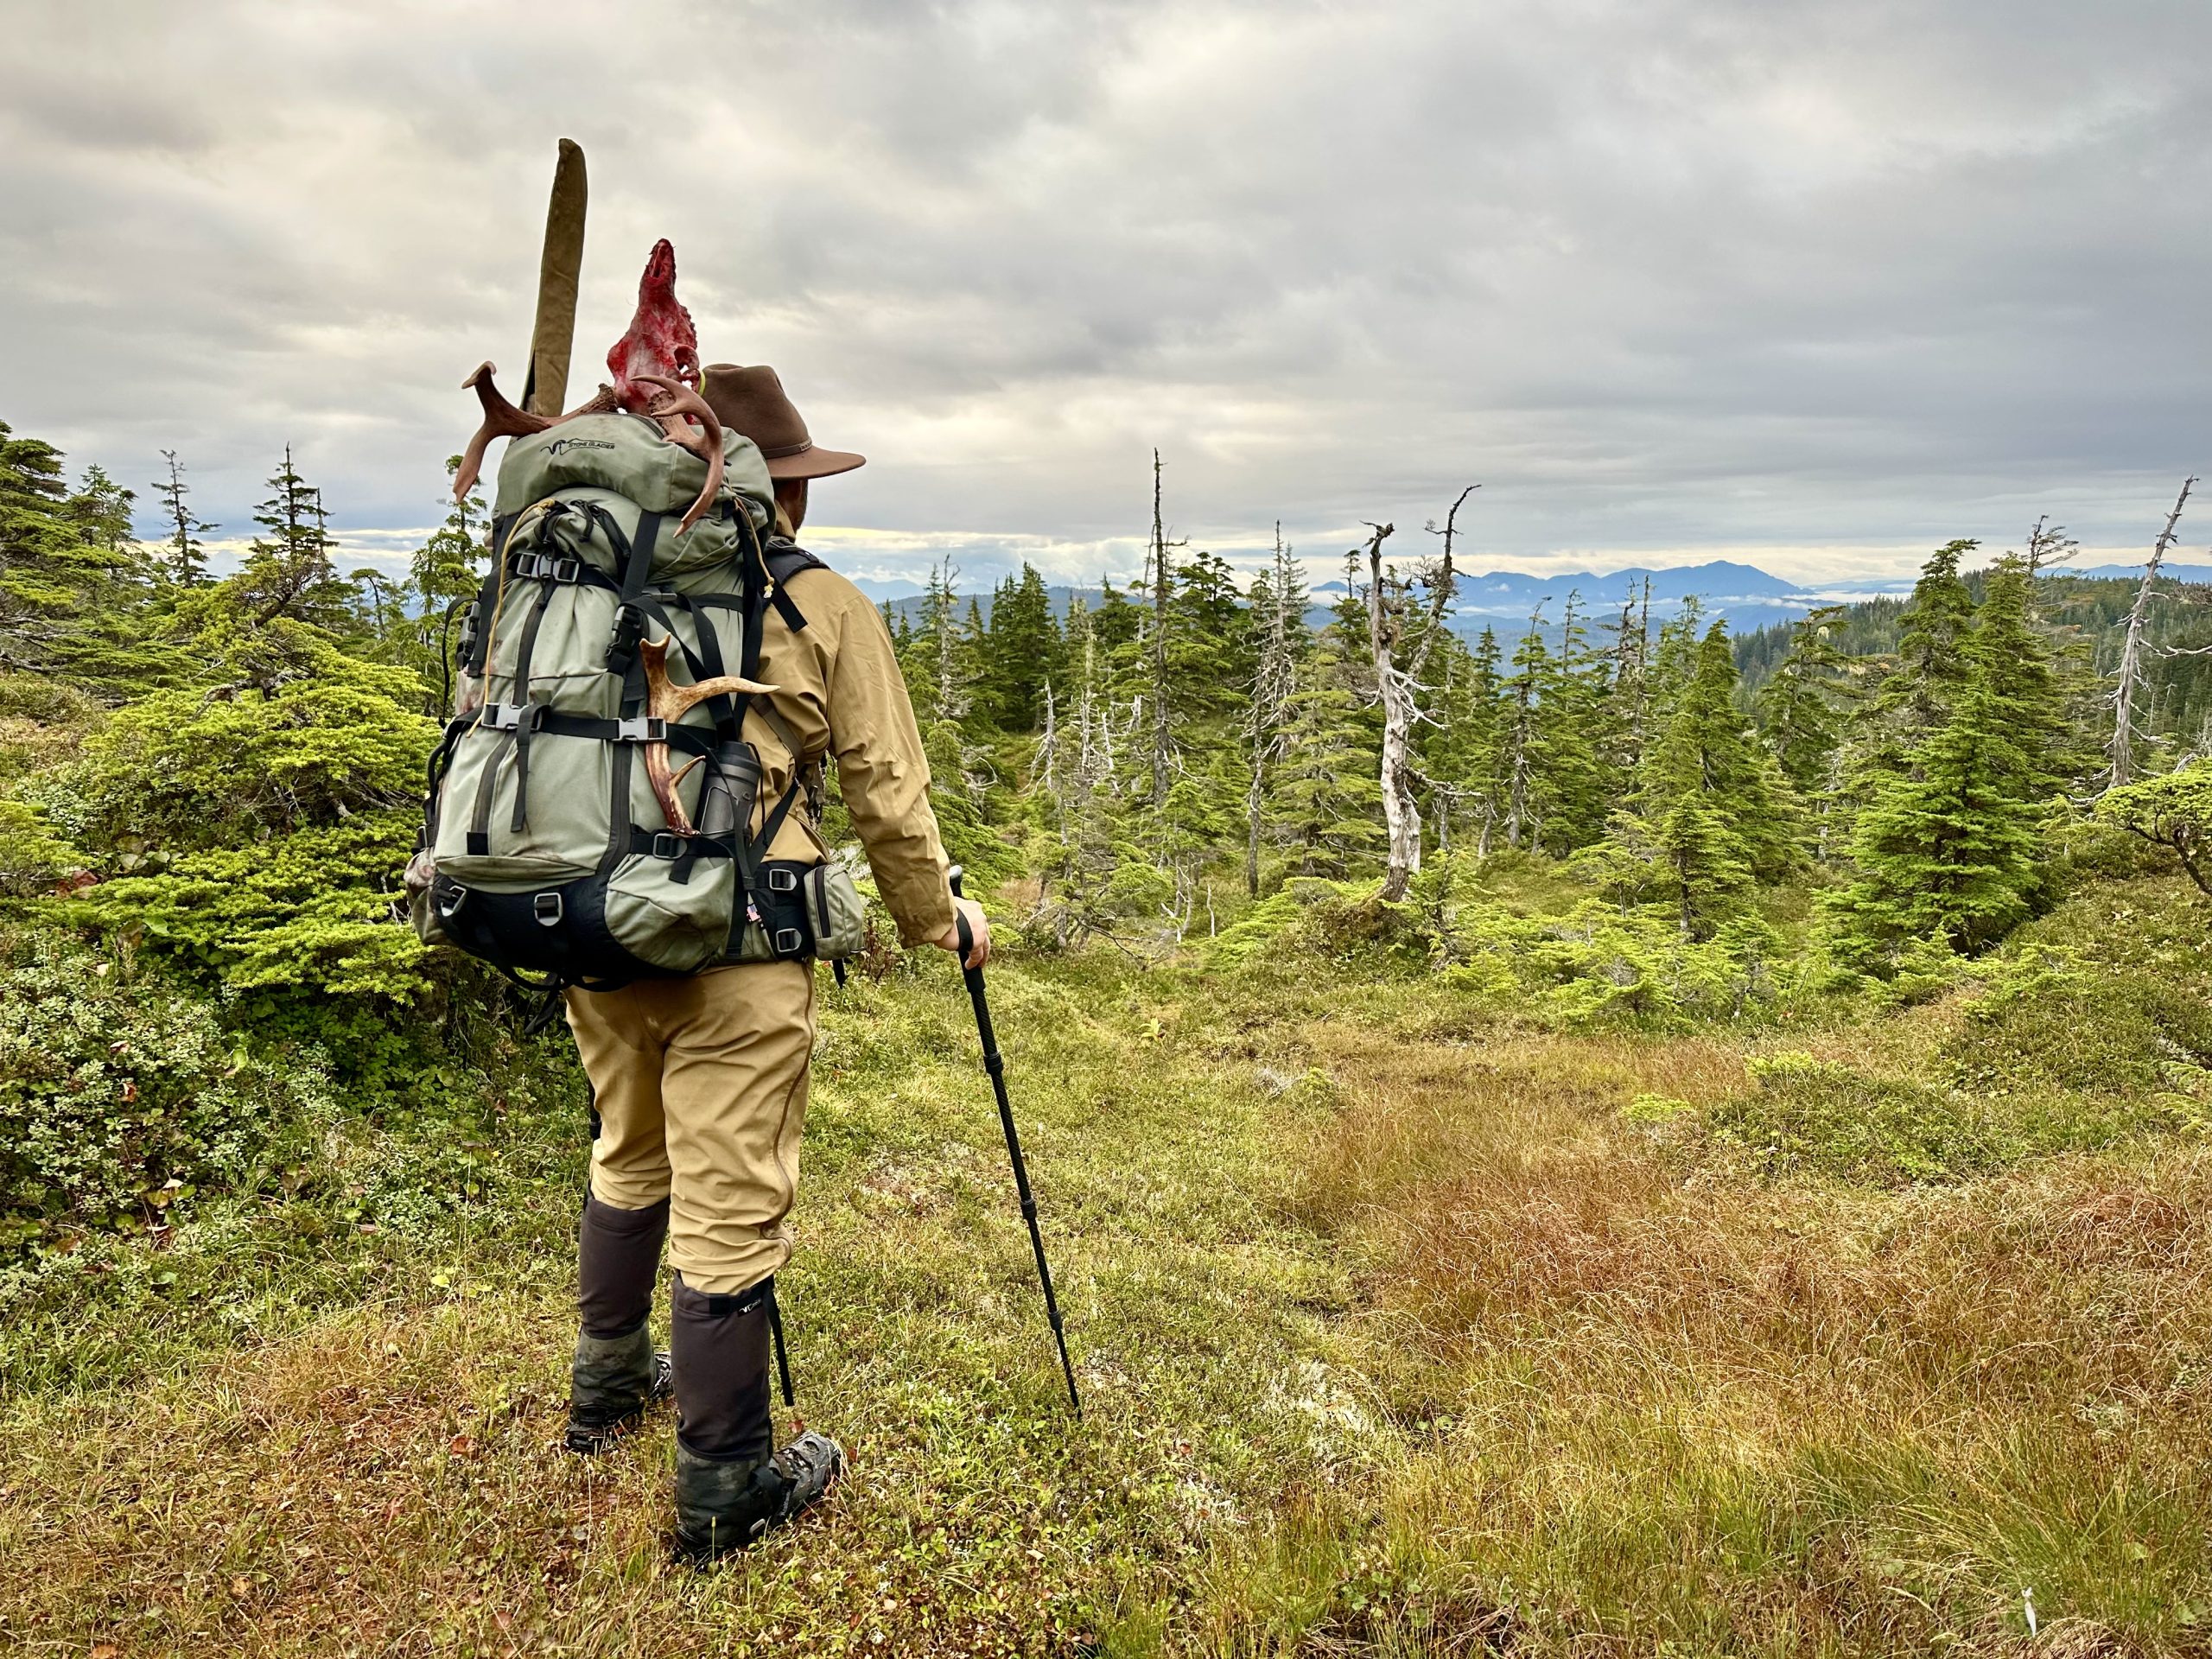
(1405, 1326)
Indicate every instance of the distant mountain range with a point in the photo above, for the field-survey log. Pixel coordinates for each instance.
(1749, 596)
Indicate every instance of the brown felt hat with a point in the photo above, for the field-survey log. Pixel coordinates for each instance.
(752, 401)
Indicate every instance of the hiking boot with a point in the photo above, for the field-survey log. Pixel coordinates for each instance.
(611, 1381)
(720, 1507)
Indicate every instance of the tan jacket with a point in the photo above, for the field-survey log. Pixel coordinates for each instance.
(839, 693)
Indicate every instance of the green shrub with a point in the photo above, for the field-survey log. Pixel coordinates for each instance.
(1814, 1115)
(1602, 966)
(2048, 1020)
(33, 858)
(123, 1098)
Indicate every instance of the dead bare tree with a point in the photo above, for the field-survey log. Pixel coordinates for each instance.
(1392, 615)
(1156, 561)
(2130, 685)
(2049, 545)
(1275, 680)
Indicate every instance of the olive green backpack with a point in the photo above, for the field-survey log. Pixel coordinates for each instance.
(544, 849)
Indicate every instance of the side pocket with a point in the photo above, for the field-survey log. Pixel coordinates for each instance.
(836, 913)
(420, 881)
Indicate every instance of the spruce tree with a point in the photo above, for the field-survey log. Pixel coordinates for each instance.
(288, 567)
(443, 574)
(1325, 806)
(1929, 671)
(1570, 736)
(187, 555)
(1515, 789)
(1711, 813)
(1022, 653)
(1947, 849)
(1798, 705)
(1277, 614)
(2012, 658)
(70, 591)
(1458, 746)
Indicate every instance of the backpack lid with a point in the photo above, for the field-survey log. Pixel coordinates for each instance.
(631, 457)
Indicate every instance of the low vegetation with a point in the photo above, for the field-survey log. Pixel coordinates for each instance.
(1747, 1194)
(1405, 1325)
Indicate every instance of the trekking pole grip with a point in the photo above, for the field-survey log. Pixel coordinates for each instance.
(963, 932)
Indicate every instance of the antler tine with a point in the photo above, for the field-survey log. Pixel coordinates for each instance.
(670, 702)
(501, 420)
(665, 700)
(681, 401)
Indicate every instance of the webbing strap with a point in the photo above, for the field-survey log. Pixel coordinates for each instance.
(549, 567)
(775, 820)
(629, 621)
(667, 845)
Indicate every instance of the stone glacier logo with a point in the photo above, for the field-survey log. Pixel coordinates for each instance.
(562, 446)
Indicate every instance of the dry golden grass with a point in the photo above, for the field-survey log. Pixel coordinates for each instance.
(1398, 1338)
(1923, 1404)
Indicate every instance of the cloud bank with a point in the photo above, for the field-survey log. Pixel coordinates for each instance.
(1806, 285)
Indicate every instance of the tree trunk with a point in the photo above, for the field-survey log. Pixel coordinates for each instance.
(1394, 689)
(2122, 747)
(1161, 734)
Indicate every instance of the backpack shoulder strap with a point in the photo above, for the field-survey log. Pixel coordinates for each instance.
(783, 560)
(786, 559)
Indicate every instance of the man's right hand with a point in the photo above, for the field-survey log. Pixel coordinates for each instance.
(979, 932)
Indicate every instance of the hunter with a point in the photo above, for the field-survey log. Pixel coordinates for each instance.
(700, 1082)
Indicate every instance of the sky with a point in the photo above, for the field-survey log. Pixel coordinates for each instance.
(1810, 286)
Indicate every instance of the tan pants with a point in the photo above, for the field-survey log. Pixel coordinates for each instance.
(700, 1086)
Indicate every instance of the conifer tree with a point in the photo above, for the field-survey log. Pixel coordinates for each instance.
(69, 574)
(1946, 848)
(288, 567)
(1569, 736)
(1710, 814)
(187, 555)
(1326, 803)
(1798, 705)
(2013, 659)
(443, 574)
(1628, 689)
(1458, 747)
(1022, 653)
(1914, 697)
(1674, 659)
(1515, 789)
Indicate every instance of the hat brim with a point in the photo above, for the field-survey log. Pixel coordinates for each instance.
(816, 462)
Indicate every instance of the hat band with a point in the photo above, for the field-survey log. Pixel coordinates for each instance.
(788, 450)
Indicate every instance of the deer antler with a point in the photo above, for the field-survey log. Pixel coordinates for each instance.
(501, 420)
(678, 402)
(669, 702)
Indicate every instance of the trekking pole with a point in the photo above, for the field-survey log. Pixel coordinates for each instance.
(994, 1064)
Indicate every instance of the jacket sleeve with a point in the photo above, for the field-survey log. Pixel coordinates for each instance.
(885, 777)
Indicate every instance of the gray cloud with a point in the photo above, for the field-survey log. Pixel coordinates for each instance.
(1813, 284)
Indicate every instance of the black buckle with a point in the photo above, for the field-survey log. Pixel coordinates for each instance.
(548, 908)
(643, 728)
(629, 629)
(544, 567)
(791, 934)
(782, 881)
(667, 845)
(450, 901)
